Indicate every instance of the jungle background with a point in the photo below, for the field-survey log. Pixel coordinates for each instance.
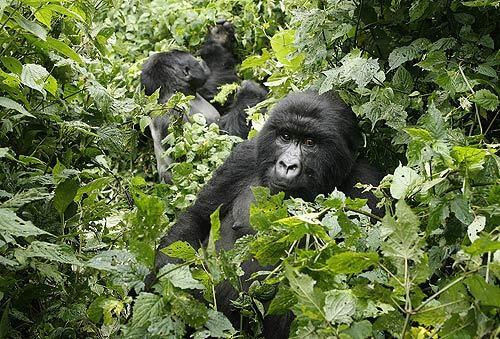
(81, 210)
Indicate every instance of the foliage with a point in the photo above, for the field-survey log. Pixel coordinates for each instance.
(80, 212)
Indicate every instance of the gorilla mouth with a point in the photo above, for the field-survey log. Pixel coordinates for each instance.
(278, 187)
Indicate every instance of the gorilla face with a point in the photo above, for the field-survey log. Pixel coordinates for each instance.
(307, 146)
(173, 71)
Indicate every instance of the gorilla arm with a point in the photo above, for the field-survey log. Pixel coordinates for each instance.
(225, 186)
(200, 105)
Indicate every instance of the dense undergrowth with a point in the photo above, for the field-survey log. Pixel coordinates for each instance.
(81, 212)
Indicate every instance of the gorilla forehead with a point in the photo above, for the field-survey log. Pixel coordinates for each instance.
(311, 114)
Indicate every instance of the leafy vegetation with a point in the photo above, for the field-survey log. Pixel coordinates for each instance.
(80, 212)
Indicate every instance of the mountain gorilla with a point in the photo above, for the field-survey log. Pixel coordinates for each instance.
(178, 71)
(307, 147)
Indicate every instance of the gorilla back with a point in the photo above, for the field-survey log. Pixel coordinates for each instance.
(307, 147)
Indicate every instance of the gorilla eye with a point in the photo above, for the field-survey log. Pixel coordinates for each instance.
(186, 70)
(309, 142)
(285, 136)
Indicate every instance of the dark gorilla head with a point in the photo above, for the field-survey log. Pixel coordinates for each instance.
(174, 71)
(308, 145)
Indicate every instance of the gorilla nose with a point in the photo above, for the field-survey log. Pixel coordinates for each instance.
(288, 169)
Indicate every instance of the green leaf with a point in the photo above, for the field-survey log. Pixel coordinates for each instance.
(44, 15)
(254, 61)
(53, 252)
(12, 64)
(340, 306)
(401, 55)
(11, 104)
(147, 307)
(190, 310)
(64, 194)
(356, 68)
(485, 99)
(34, 76)
(64, 49)
(282, 301)
(486, 294)
(351, 262)
(404, 182)
(51, 85)
(12, 225)
(472, 158)
(4, 321)
(310, 300)
(404, 241)
(482, 245)
(214, 230)
(95, 185)
(218, 325)
(283, 46)
(433, 314)
(359, 330)
(180, 276)
(417, 9)
(180, 250)
(402, 80)
(65, 11)
(31, 26)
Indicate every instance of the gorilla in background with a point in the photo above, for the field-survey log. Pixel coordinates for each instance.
(307, 147)
(178, 71)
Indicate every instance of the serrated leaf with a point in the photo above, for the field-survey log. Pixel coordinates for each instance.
(190, 310)
(401, 55)
(283, 46)
(282, 301)
(340, 306)
(487, 70)
(34, 76)
(402, 80)
(24, 197)
(180, 250)
(431, 315)
(218, 325)
(403, 240)
(147, 306)
(356, 68)
(310, 300)
(53, 252)
(64, 194)
(11, 104)
(470, 157)
(359, 330)
(485, 99)
(11, 224)
(31, 26)
(351, 262)
(486, 294)
(180, 276)
(482, 245)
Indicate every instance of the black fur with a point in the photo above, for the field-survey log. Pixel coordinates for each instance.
(178, 71)
(308, 146)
